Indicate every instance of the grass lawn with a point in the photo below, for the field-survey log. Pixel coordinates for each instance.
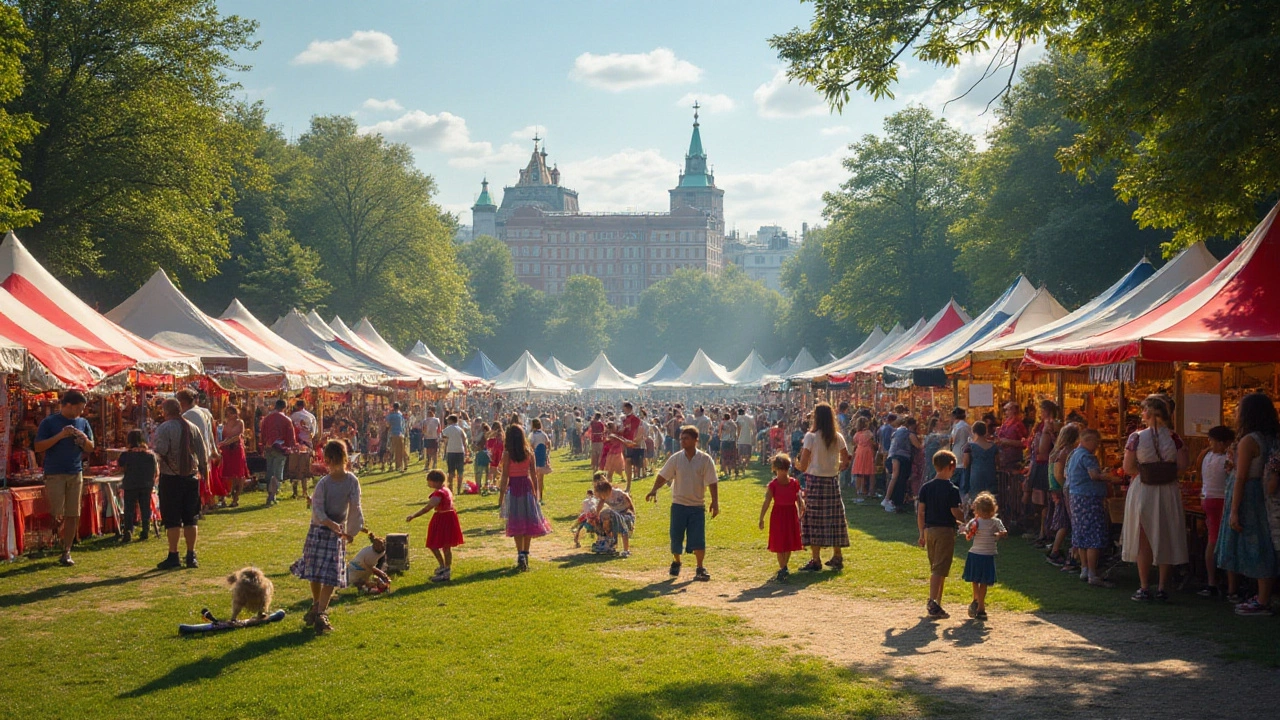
(100, 640)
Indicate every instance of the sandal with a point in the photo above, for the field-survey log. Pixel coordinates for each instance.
(835, 563)
(1142, 595)
(323, 626)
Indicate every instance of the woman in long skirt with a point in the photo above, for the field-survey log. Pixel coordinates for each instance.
(823, 455)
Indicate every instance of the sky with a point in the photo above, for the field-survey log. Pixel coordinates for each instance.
(608, 84)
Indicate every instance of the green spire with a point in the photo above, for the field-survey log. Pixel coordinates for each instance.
(695, 144)
(485, 200)
(695, 161)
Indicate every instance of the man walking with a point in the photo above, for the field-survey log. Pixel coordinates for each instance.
(631, 436)
(64, 437)
(181, 451)
(202, 419)
(431, 439)
(396, 437)
(275, 438)
(690, 472)
(746, 435)
(455, 451)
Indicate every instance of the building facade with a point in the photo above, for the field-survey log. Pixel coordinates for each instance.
(551, 240)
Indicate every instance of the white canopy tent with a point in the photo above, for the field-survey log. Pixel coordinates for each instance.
(422, 355)
(752, 372)
(601, 375)
(666, 369)
(561, 370)
(850, 358)
(528, 375)
(387, 355)
(804, 362)
(703, 372)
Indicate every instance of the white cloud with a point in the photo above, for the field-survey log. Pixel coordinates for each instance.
(388, 105)
(626, 180)
(621, 71)
(362, 48)
(447, 134)
(786, 195)
(526, 133)
(835, 130)
(962, 94)
(780, 98)
(710, 104)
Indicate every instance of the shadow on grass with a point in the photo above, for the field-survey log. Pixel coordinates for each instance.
(794, 584)
(56, 591)
(585, 557)
(36, 564)
(672, 586)
(208, 668)
(428, 586)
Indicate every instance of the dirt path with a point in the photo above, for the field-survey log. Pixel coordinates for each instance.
(1015, 665)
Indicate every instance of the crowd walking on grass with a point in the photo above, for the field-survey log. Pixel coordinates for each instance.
(952, 475)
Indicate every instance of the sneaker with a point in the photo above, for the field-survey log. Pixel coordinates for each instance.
(981, 616)
(1161, 596)
(1142, 595)
(1055, 559)
(522, 562)
(701, 575)
(674, 570)
(66, 561)
(1210, 591)
(322, 624)
(1235, 598)
(1084, 573)
(126, 537)
(889, 506)
(192, 563)
(1099, 582)
(624, 554)
(144, 536)
(859, 500)
(1253, 608)
(935, 611)
(973, 609)
(169, 563)
(442, 575)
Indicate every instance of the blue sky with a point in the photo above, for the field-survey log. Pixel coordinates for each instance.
(608, 83)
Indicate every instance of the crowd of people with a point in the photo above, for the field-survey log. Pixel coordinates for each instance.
(954, 475)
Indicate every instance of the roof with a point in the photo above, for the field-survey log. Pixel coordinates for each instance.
(485, 199)
(804, 362)
(602, 375)
(528, 375)
(752, 371)
(702, 372)
(1229, 314)
(666, 369)
(482, 367)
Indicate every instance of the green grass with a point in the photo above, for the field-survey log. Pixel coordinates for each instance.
(99, 640)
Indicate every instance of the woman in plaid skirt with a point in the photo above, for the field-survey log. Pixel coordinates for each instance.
(823, 454)
(336, 517)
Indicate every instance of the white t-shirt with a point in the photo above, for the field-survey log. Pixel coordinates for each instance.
(431, 428)
(306, 422)
(824, 461)
(539, 438)
(689, 478)
(984, 540)
(203, 420)
(455, 439)
(1213, 476)
(961, 434)
(362, 565)
(746, 429)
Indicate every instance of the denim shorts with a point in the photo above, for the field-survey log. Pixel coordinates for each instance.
(688, 528)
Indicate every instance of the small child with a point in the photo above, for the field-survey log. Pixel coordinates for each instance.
(444, 532)
(336, 516)
(611, 455)
(481, 460)
(617, 517)
(1060, 519)
(784, 522)
(587, 518)
(980, 564)
(365, 571)
(1214, 463)
(938, 515)
(141, 472)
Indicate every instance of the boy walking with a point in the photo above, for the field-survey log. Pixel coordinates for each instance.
(938, 514)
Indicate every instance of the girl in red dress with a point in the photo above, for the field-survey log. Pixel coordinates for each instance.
(784, 521)
(234, 468)
(445, 532)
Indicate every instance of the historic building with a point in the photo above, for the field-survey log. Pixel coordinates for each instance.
(551, 240)
(762, 260)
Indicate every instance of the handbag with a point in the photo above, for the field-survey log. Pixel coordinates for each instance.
(1161, 472)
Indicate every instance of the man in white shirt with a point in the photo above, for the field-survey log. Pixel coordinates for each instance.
(304, 423)
(431, 438)
(691, 473)
(203, 420)
(746, 433)
(455, 448)
(961, 434)
(703, 424)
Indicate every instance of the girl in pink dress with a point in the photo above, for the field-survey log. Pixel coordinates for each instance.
(864, 458)
(516, 499)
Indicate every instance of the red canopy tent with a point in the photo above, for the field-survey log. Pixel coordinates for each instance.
(1232, 314)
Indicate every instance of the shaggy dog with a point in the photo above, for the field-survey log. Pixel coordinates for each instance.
(250, 591)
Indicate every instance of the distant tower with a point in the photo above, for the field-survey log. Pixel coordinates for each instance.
(484, 214)
(697, 187)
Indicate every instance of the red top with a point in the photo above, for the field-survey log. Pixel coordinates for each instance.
(597, 431)
(276, 427)
(494, 446)
(446, 500)
(630, 426)
(775, 437)
(610, 447)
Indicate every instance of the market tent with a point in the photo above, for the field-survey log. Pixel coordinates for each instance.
(159, 312)
(784, 362)
(35, 287)
(804, 362)
(831, 357)
(666, 369)
(528, 375)
(703, 372)
(950, 319)
(482, 367)
(752, 371)
(422, 355)
(387, 355)
(872, 341)
(48, 357)
(240, 322)
(880, 355)
(294, 327)
(931, 361)
(1230, 314)
(1010, 345)
(602, 375)
(561, 370)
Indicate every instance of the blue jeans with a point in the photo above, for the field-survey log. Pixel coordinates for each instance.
(275, 471)
(688, 528)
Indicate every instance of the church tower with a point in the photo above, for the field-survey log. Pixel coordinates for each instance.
(484, 214)
(697, 188)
